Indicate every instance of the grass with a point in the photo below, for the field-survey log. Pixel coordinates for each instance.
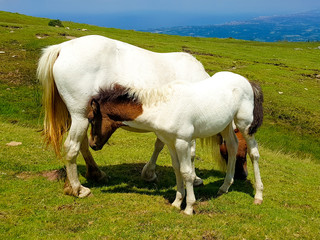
(32, 207)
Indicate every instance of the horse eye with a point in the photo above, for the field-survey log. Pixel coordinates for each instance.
(90, 120)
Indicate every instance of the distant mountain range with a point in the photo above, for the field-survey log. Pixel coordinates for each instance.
(293, 28)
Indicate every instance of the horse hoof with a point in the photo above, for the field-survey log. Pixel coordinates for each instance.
(188, 211)
(257, 201)
(176, 205)
(97, 176)
(220, 192)
(148, 176)
(197, 182)
(84, 192)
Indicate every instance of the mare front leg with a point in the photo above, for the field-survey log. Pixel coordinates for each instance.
(232, 146)
(93, 172)
(72, 145)
(183, 149)
(149, 170)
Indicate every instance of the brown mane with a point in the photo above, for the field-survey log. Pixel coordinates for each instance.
(118, 104)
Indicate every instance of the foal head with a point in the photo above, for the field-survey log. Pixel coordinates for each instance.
(102, 127)
(108, 111)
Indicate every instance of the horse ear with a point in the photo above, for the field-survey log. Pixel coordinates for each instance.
(95, 106)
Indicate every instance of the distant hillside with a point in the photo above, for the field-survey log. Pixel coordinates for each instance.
(301, 27)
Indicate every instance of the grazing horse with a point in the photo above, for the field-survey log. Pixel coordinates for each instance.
(74, 71)
(180, 112)
(241, 162)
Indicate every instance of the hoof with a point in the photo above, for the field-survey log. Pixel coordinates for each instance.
(257, 201)
(197, 182)
(188, 211)
(97, 176)
(148, 175)
(84, 192)
(220, 192)
(176, 205)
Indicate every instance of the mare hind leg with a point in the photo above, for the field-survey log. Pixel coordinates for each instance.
(232, 146)
(149, 170)
(93, 172)
(72, 145)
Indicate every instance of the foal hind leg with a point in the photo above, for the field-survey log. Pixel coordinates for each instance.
(254, 155)
(72, 145)
(93, 172)
(232, 146)
(149, 170)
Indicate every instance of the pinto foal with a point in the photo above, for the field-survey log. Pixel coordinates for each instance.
(180, 112)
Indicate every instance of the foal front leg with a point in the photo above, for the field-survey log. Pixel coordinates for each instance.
(180, 186)
(183, 149)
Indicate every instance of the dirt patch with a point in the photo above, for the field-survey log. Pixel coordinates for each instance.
(55, 175)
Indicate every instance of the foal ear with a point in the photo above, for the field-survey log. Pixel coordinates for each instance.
(95, 106)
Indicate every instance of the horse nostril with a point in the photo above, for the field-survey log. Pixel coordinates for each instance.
(95, 147)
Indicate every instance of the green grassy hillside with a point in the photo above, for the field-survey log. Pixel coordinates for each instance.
(32, 207)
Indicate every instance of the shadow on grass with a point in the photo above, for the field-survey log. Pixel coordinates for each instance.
(126, 178)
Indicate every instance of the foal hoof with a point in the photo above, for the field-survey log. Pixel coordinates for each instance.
(188, 211)
(257, 201)
(197, 182)
(220, 192)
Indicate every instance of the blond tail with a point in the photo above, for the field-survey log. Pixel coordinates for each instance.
(212, 147)
(57, 119)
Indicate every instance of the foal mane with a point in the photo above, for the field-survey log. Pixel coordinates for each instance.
(145, 96)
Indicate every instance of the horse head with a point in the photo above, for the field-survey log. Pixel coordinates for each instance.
(102, 126)
(107, 112)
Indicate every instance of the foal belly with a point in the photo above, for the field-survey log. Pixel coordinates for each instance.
(211, 125)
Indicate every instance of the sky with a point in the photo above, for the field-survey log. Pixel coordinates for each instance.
(146, 14)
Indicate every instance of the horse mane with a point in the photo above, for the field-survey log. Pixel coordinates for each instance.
(153, 96)
(145, 96)
(116, 93)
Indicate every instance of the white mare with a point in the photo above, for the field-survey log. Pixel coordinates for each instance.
(179, 113)
(74, 71)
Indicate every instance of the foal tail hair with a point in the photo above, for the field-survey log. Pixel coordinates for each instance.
(212, 147)
(257, 110)
(57, 119)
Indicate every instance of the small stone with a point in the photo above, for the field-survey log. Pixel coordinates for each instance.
(13, 144)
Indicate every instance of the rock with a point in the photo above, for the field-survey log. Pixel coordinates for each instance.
(13, 144)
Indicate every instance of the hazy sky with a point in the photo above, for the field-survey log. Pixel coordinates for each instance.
(142, 14)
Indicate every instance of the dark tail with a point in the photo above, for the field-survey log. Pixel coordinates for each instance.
(257, 110)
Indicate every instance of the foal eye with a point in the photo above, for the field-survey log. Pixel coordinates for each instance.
(90, 120)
